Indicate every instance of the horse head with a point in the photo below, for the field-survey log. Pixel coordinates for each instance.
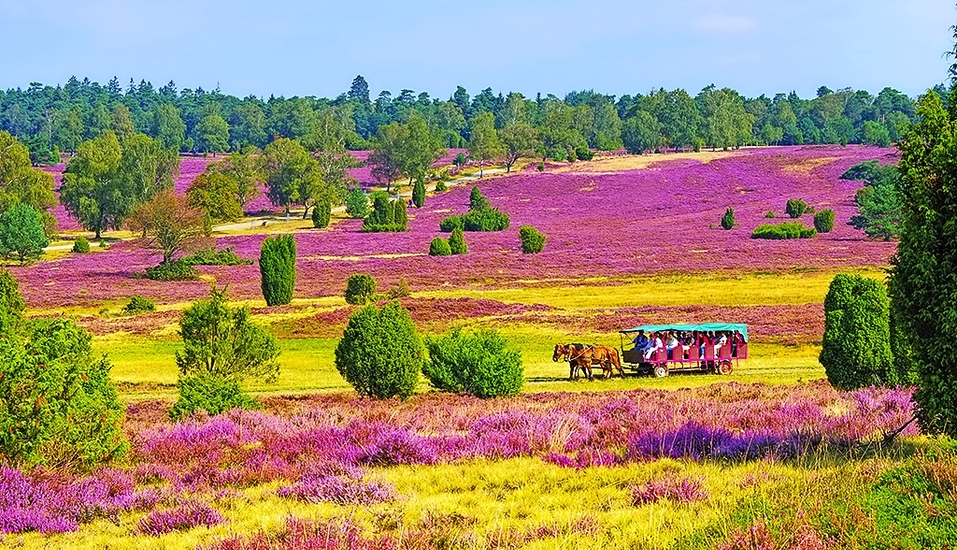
(561, 350)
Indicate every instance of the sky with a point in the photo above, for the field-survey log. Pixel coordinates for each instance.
(290, 48)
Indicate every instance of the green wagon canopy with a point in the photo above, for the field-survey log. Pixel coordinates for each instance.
(701, 327)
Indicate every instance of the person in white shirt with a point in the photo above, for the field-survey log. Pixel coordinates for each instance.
(655, 346)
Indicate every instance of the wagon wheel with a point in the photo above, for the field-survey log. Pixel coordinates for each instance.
(724, 367)
(661, 371)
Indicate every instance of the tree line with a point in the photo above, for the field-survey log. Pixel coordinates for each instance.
(59, 118)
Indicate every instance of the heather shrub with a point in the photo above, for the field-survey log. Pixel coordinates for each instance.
(786, 230)
(440, 247)
(533, 242)
(211, 256)
(321, 214)
(338, 489)
(277, 265)
(178, 270)
(796, 208)
(451, 223)
(477, 200)
(357, 203)
(479, 363)
(137, 305)
(824, 221)
(60, 407)
(81, 245)
(360, 289)
(727, 221)
(488, 219)
(457, 242)
(669, 487)
(182, 518)
(418, 194)
(855, 348)
(213, 394)
(380, 354)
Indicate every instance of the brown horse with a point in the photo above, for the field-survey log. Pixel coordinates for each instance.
(579, 358)
(608, 357)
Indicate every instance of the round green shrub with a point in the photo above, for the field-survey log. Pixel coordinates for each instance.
(67, 412)
(786, 230)
(439, 247)
(727, 221)
(584, 153)
(796, 208)
(533, 242)
(137, 305)
(479, 363)
(277, 266)
(541, 167)
(824, 221)
(488, 219)
(213, 394)
(855, 349)
(360, 289)
(457, 242)
(321, 214)
(441, 186)
(81, 245)
(172, 271)
(451, 223)
(380, 354)
(357, 203)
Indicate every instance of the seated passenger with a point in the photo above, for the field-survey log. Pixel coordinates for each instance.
(686, 341)
(640, 341)
(722, 340)
(671, 345)
(655, 345)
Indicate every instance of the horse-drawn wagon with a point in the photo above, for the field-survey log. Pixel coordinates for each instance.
(707, 347)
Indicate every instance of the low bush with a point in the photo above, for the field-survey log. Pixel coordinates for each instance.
(182, 518)
(357, 203)
(786, 230)
(172, 271)
(360, 289)
(824, 221)
(213, 394)
(727, 221)
(479, 363)
(584, 153)
(211, 256)
(796, 208)
(451, 223)
(541, 167)
(103, 244)
(440, 247)
(441, 186)
(770, 215)
(137, 305)
(81, 245)
(457, 243)
(321, 214)
(489, 219)
(399, 289)
(533, 242)
(380, 354)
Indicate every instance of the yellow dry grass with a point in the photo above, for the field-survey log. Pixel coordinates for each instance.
(611, 165)
(805, 166)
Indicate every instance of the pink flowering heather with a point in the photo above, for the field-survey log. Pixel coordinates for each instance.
(669, 487)
(181, 518)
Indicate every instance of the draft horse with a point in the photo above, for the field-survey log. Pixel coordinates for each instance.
(581, 357)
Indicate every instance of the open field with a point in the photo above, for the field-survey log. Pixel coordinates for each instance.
(770, 456)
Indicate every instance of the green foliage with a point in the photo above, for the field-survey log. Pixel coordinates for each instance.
(480, 363)
(770, 215)
(541, 167)
(796, 208)
(178, 270)
(584, 153)
(137, 305)
(21, 183)
(875, 133)
(489, 219)
(360, 289)
(441, 186)
(519, 139)
(58, 406)
(418, 194)
(215, 192)
(460, 159)
(879, 211)
(824, 221)
(399, 289)
(457, 242)
(786, 230)
(386, 215)
(277, 266)
(451, 223)
(440, 247)
(21, 234)
(400, 215)
(380, 354)
(477, 201)
(11, 305)
(533, 242)
(855, 349)
(81, 245)
(484, 143)
(211, 256)
(357, 204)
(922, 283)
(321, 214)
(727, 221)
(223, 342)
(641, 133)
(212, 394)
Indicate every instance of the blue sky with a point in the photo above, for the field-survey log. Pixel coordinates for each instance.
(287, 47)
